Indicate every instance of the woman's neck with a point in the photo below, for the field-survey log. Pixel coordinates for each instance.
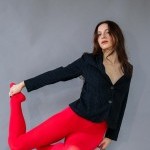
(111, 59)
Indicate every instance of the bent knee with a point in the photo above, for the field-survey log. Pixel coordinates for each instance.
(16, 145)
(72, 147)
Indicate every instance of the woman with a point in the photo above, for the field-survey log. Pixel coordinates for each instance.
(92, 121)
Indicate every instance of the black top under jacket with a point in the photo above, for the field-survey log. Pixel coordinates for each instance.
(100, 99)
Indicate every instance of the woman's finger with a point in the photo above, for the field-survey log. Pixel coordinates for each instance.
(104, 147)
(11, 93)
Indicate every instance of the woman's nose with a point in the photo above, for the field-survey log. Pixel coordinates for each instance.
(103, 36)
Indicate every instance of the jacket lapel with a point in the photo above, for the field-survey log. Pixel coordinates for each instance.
(99, 62)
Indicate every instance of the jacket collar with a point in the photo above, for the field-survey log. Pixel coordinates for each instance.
(99, 62)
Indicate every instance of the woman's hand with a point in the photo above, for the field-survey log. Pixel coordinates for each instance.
(16, 88)
(104, 144)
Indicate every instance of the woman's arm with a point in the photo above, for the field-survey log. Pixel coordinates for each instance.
(61, 73)
(113, 133)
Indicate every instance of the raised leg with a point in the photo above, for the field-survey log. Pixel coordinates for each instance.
(50, 131)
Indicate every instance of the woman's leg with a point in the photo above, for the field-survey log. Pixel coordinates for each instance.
(60, 146)
(80, 133)
(17, 124)
(87, 138)
(86, 135)
(48, 132)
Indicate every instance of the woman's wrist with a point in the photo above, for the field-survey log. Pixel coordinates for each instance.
(22, 84)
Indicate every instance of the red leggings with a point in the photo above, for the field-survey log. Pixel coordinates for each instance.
(79, 133)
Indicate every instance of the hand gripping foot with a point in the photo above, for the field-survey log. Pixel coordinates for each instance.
(19, 97)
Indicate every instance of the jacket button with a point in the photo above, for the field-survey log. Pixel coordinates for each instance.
(109, 101)
(112, 87)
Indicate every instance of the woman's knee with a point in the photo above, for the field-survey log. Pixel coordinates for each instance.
(71, 147)
(17, 145)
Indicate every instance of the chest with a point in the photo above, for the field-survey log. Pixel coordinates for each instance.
(114, 72)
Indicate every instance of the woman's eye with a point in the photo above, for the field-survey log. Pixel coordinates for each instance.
(108, 32)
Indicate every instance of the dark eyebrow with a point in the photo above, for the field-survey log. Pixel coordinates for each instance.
(104, 30)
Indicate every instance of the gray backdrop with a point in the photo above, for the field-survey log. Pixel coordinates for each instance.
(40, 35)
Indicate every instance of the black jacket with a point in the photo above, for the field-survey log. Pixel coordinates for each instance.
(100, 99)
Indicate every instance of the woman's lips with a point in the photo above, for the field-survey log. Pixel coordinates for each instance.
(104, 42)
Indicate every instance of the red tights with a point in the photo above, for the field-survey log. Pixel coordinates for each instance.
(79, 133)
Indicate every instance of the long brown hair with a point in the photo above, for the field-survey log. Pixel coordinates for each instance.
(119, 45)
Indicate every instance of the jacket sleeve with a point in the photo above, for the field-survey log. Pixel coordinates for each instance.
(61, 73)
(113, 133)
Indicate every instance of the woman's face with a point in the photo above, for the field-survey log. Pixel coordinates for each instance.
(105, 40)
